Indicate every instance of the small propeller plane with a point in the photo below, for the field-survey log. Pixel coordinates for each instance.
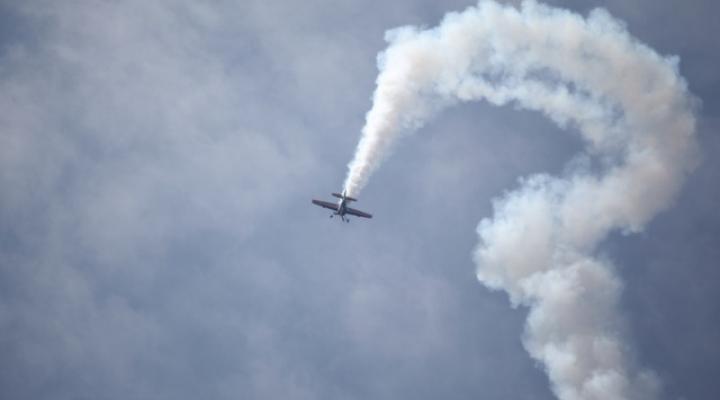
(341, 207)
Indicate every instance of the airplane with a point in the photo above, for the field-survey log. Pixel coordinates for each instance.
(341, 207)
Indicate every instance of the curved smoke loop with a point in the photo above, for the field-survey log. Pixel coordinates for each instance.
(635, 115)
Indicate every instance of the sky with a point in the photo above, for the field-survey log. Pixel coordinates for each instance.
(157, 241)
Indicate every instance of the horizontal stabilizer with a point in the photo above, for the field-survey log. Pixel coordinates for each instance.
(339, 196)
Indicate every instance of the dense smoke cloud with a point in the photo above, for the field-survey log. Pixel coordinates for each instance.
(635, 115)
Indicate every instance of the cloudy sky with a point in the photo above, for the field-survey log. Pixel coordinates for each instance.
(157, 241)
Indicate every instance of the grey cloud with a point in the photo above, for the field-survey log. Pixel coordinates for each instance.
(157, 241)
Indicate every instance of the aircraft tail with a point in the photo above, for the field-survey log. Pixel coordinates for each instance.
(343, 196)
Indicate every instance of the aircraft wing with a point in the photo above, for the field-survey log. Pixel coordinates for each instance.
(357, 213)
(325, 204)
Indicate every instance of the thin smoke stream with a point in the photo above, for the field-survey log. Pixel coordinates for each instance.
(634, 113)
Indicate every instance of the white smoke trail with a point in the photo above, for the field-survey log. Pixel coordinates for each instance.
(634, 113)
